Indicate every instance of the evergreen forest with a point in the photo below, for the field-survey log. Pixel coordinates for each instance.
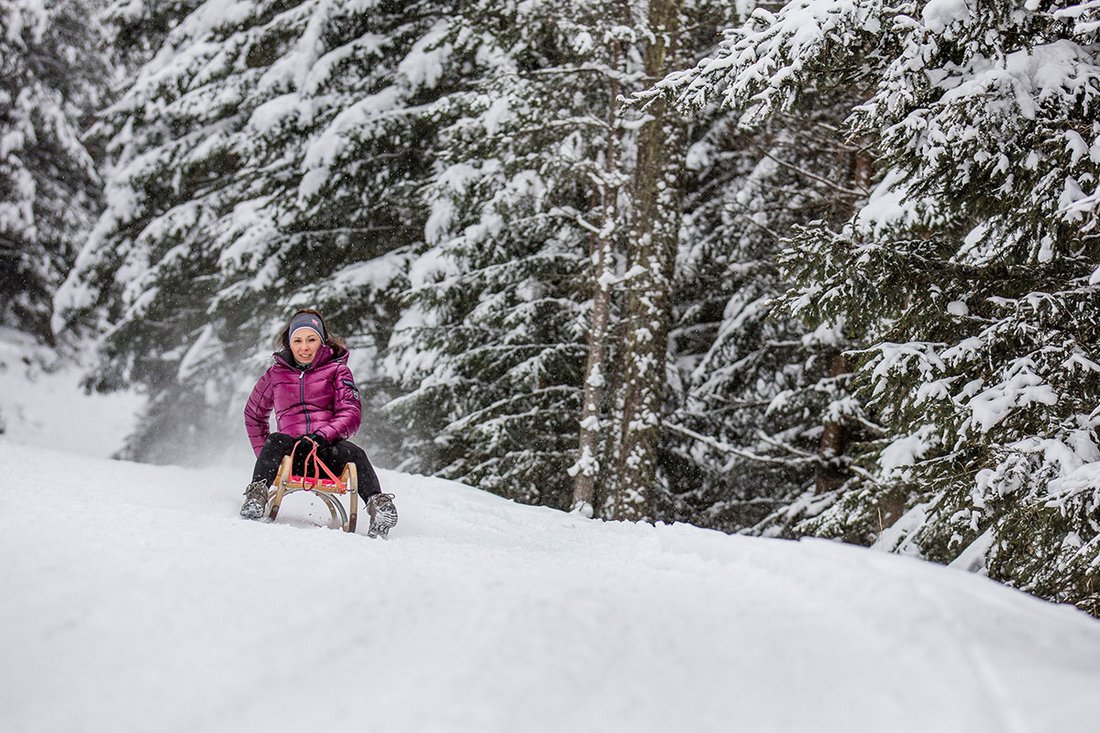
(816, 268)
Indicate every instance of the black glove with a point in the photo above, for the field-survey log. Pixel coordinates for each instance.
(318, 439)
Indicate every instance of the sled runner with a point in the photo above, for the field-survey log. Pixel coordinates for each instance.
(321, 481)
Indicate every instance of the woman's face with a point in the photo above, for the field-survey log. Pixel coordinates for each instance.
(304, 344)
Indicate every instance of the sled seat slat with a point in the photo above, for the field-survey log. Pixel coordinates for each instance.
(307, 483)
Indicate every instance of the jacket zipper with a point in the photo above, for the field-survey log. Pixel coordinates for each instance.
(302, 397)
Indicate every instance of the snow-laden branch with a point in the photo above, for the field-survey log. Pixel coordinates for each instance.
(739, 452)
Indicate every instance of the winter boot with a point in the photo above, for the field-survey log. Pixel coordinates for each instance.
(255, 500)
(383, 515)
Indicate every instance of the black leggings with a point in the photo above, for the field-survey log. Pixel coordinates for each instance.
(335, 456)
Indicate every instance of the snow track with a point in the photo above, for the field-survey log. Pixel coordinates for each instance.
(136, 600)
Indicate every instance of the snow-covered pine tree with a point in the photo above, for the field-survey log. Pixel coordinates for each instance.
(753, 393)
(51, 76)
(491, 348)
(970, 273)
(760, 386)
(765, 395)
(476, 424)
(262, 159)
(534, 221)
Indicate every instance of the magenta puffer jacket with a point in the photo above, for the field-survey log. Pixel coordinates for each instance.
(321, 398)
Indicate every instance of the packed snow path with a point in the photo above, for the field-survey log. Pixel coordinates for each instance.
(134, 599)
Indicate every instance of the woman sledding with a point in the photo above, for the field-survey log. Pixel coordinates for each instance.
(314, 396)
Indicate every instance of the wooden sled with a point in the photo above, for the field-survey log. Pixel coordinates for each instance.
(327, 488)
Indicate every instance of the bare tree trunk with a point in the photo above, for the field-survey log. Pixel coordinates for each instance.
(834, 439)
(831, 473)
(648, 310)
(587, 467)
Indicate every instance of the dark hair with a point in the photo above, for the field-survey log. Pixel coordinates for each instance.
(282, 341)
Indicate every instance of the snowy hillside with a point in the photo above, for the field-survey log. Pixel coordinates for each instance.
(136, 600)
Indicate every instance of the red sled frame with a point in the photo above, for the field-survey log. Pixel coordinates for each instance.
(327, 487)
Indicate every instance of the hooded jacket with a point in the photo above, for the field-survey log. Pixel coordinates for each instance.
(320, 397)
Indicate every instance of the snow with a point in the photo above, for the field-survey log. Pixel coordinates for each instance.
(895, 538)
(907, 450)
(204, 346)
(972, 559)
(1034, 75)
(958, 308)
(42, 403)
(827, 333)
(28, 16)
(321, 153)
(498, 113)
(1077, 478)
(890, 204)
(294, 67)
(994, 404)
(376, 273)
(938, 14)
(325, 68)
(136, 599)
(274, 112)
(425, 62)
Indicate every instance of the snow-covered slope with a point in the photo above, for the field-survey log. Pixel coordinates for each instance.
(134, 599)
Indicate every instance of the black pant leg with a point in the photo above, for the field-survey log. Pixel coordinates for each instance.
(343, 452)
(271, 455)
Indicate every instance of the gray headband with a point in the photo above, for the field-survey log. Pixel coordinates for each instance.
(306, 320)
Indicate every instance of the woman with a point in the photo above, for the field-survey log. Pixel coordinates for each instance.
(315, 398)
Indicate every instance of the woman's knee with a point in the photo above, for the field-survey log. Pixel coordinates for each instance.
(279, 441)
(350, 451)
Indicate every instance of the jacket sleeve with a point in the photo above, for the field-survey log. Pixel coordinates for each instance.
(347, 412)
(257, 410)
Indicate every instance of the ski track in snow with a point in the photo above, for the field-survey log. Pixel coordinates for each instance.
(136, 600)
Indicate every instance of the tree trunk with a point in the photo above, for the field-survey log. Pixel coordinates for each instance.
(587, 467)
(652, 254)
(831, 472)
(834, 439)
